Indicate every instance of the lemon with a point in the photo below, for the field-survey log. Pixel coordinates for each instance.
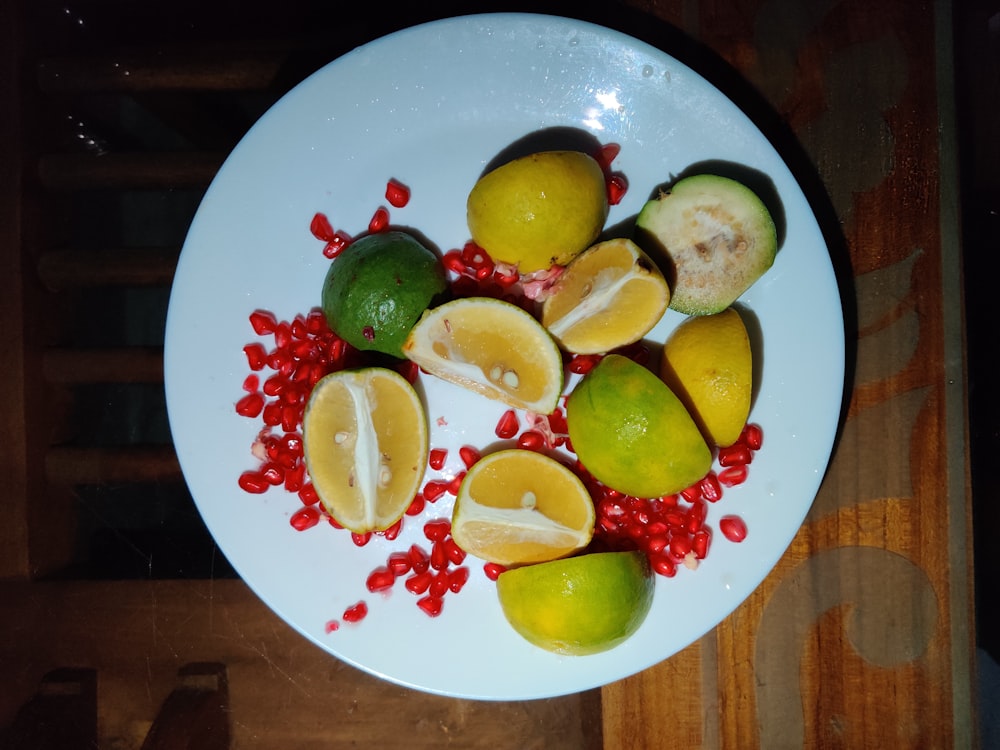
(610, 295)
(538, 210)
(580, 605)
(713, 236)
(632, 433)
(365, 442)
(492, 347)
(517, 506)
(377, 288)
(708, 363)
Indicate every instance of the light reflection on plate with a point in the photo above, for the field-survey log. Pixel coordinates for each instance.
(431, 106)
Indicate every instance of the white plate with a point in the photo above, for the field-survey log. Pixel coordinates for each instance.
(431, 106)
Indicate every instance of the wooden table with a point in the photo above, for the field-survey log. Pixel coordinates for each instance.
(862, 636)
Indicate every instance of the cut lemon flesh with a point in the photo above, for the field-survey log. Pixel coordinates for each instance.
(365, 443)
(492, 347)
(610, 295)
(517, 507)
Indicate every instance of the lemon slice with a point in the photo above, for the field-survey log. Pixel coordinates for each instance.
(610, 295)
(492, 347)
(365, 441)
(516, 507)
(581, 605)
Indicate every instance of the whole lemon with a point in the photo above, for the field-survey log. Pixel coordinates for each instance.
(539, 210)
(578, 605)
(708, 363)
(632, 433)
(378, 287)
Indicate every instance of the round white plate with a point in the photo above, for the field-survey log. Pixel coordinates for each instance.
(431, 106)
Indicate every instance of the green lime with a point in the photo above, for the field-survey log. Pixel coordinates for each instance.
(378, 287)
(578, 605)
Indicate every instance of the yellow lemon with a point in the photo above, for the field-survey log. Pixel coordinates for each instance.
(714, 238)
(492, 347)
(516, 507)
(580, 605)
(365, 441)
(538, 210)
(610, 295)
(708, 363)
(632, 433)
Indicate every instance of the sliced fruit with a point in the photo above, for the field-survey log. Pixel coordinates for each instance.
(712, 236)
(516, 507)
(708, 363)
(538, 210)
(610, 295)
(377, 288)
(580, 605)
(365, 443)
(632, 433)
(492, 347)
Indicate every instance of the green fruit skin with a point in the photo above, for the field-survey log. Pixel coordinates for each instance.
(595, 408)
(703, 283)
(603, 629)
(377, 288)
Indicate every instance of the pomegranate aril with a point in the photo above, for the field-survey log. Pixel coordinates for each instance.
(469, 455)
(360, 540)
(393, 531)
(251, 383)
(273, 474)
(419, 560)
(736, 454)
(617, 186)
(439, 584)
(733, 528)
(656, 543)
(456, 555)
(436, 458)
(710, 487)
(607, 154)
(355, 613)
(379, 221)
(331, 626)
(263, 322)
(508, 425)
(432, 605)
(439, 556)
(308, 494)
(304, 518)
(397, 193)
(692, 493)
(295, 477)
(399, 563)
(320, 227)
(380, 579)
(436, 531)
(457, 579)
(250, 405)
(493, 570)
(531, 440)
(733, 475)
(663, 565)
(418, 583)
(433, 490)
(699, 543)
(256, 356)
(417, 505)
(752, 436)
(253, 482)
(456, 483)
(581, 364)
(680, 545)
(452, 261)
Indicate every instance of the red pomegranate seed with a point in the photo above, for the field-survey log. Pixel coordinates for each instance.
(531, 440)
(710, 487)
(380, 579)
(331, 626)
(699, 543)
(393, 531)
(617, 187)
(304, 518)
(680, 545)
(433, 490)
(320, 227)
(333, 522)
(439, 556)
(295, 477)
(256, 356)
(263, 322)
(457, 579)
(250, 405)
(456, 482)
(355, 613)
(736, 454)
(581, 364)
(663, 565)
(437, 457)
(656, 542)
(607, 154)
(733, 475)
(253, 482)
(469, 455)
(419, 560)
(336, 246)
(379, 221)
(360, 540)
(432, 605)
(308, 494)
(439, 584)
(493, 570)
(733, 528)
(417, 505)
(437, 530)
(455, 553)
(508, 425)
(418, 583)
(273, 474)
(752, 437)
(399, 563)
(397, 193)
(691, 493)
(452, 260)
